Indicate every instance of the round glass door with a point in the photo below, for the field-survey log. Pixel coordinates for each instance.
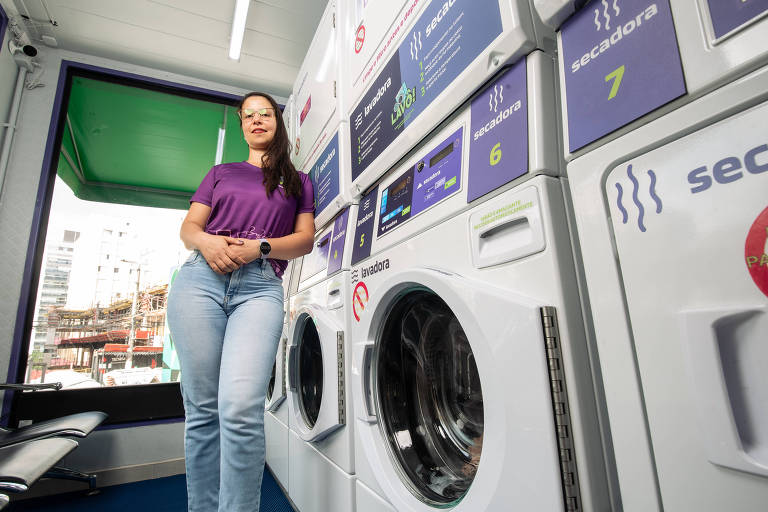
(429, 401)
(310, 374)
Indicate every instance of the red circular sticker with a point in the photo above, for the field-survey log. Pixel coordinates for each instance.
(359, 38)
(756, 251)
(358, 302)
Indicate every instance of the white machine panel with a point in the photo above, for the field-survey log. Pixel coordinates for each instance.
(555, 12)
(432, 57)
(316, 101)
(624, 59)
(328, 167)
(684, 201)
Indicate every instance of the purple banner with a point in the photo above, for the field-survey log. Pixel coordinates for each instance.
(366, 214)
(337, 242)
(621, 61)
(498, 152)
(730, 14)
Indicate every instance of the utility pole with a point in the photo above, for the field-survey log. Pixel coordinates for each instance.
(134, 307)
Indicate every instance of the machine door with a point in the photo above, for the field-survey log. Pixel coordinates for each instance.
(316, 369)
(690, 220)
(276, 388)
(429, 397)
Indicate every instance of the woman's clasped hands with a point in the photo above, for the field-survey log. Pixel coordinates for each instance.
(225, 254)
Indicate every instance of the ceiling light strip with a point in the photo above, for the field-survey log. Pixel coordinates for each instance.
(238, 29)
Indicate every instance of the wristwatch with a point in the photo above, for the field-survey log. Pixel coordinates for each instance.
(264, 248)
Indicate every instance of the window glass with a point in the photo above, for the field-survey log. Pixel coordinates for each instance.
(92, 329)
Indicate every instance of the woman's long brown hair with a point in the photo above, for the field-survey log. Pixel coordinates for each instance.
(278, 168)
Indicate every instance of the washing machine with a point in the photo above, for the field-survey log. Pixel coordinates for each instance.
(317, 101)
(276, 410)
(627, 62)
(472, 373)
(673, 219)
(321, 443)
(410, 64)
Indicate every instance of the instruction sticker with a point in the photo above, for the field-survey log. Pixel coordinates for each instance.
(445, 39)
(756, 251)
(621, 61)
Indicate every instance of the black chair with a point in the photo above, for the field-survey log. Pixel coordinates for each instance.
(22, 464)
(72, 425)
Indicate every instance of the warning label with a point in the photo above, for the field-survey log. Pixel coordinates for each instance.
(756, 251)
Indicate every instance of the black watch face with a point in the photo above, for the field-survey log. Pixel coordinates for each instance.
(265, 248)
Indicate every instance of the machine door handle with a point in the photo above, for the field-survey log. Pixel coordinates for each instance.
(725, 348)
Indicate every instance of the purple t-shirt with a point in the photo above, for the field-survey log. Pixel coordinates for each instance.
(240, 207)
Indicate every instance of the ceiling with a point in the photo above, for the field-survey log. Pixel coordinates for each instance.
(189, 37)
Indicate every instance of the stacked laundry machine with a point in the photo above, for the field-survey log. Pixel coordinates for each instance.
(539, 279)
(473, 368)
(664, 108)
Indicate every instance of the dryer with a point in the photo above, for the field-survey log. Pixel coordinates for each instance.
(409, 64)
(673, 219)
(472, 370)
(321, 444)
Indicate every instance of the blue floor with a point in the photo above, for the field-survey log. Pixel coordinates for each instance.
(159, 495)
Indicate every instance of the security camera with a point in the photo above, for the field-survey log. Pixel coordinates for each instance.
(19, 49)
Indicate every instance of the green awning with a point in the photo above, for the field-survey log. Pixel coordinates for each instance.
(128, 145)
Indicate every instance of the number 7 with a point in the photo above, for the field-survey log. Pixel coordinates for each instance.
(617, 74)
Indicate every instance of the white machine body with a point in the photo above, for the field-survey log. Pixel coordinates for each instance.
(673, 220)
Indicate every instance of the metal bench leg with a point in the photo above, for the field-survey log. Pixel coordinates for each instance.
(71, 474)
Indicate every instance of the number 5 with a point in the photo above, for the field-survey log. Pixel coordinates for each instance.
(617, 74)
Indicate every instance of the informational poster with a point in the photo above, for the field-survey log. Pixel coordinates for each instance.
(366, 214)
(498, 149)
(325, 175)
(337, 242)
(728, 15)
(445, 39)
(621, 61)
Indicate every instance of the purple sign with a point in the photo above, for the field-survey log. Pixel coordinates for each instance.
(498, 152)
(730, 14)
(620, 61)
(366, 213)
(325, 175)
(337, 242)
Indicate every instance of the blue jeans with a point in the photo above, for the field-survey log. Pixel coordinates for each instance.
(226, 329)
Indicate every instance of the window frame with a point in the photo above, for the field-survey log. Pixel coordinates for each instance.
(126, 405)
(4, 20)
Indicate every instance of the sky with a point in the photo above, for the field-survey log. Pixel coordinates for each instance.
(157, 231)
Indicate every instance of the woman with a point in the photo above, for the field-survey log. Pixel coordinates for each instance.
(225, 308)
